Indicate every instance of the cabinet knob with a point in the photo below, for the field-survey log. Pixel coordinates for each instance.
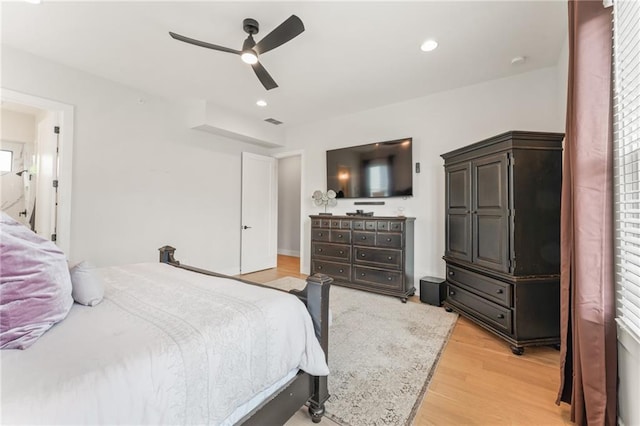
(500, 316)
(341, 252)
(319, 234)
(388, 240)
(340, 270)
(451, 292)
(319, 267)
(389, 257)
(363, 237)
(499, 291)
(339, 235)
(362, 274)
(389, 279)
(451, 273)
(362, 255)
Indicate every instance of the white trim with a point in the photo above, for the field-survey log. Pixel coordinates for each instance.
(285, 252)
(66, 117)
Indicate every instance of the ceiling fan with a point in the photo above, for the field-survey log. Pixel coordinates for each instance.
(284, 32)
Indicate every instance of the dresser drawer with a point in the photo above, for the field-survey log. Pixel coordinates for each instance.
(340, 224)
(331, 251)
(389, 240)
(497, 316)
(358, 224)
(364, 238)
(337, 271)
(395, 225)
(370, 225)
(315, 223)
(486, 287)
(341, 236)
(385, 258)
(377, 277)
(319, 234)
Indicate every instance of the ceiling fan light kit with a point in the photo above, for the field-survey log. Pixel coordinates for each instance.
(289, 29)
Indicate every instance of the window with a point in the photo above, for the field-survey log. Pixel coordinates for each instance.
(626, 61)
(6, 159)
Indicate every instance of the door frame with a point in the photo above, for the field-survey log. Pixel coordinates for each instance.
(294, 153)
(65, 158)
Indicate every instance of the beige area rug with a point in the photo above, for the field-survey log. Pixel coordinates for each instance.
(382, 354)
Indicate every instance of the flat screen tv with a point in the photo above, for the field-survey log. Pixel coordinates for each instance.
(375, 170)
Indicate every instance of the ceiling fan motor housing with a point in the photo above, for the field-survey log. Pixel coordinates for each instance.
(250, 26)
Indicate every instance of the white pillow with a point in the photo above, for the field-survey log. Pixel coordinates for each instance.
(88, 288)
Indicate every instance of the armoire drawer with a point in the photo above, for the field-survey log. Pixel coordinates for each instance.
(497, 316)
(384, 258)
(377, 277)
(331, 251)
(337, 271)
(486, 287)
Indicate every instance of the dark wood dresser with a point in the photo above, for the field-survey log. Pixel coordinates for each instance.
(371, 253)
(502, 237)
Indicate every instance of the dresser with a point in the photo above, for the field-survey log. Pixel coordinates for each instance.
(502, 235)
(368, 253)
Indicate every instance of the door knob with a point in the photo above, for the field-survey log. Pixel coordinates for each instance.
(246, 227)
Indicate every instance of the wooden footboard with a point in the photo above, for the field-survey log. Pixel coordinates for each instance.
(303, 388)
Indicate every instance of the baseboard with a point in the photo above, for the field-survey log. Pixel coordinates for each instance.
(285, 252)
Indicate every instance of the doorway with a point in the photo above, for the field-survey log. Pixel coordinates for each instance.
(39, 136)
(289, 207)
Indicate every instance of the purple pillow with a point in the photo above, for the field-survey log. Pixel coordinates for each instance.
(35, 287)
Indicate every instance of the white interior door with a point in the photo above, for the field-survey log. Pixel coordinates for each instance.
(46, 174)
(259, 242)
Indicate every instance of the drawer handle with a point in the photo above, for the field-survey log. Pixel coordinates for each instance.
(340, 270)
(499, 291)
(388, 240)
(452, 293)
(363, 238)
(341, 252)
(362, 255)
(362, 274)
(389, 258)
(500, 316)
(319, 267)
(451, 273)
(389, 279)
(319, 250)
(319, 234)
(339, 235)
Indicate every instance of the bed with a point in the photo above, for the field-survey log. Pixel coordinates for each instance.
(175, 344)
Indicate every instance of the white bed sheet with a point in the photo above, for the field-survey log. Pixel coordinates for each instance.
(149, 354)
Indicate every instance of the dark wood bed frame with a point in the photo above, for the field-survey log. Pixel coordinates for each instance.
(303, 388)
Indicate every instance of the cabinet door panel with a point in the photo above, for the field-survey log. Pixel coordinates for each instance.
(458, 212)
(490, 204)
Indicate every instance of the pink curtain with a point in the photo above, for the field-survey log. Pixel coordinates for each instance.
(588, 349)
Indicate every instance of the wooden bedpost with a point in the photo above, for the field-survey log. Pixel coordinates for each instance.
(166, 255)
(316, 296)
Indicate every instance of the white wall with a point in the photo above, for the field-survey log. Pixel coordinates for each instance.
(141, 178)
(438, 124)
(289, 206)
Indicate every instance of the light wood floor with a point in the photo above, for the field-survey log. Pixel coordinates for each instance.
(478, 380)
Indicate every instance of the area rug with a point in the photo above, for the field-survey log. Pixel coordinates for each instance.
(382, 354)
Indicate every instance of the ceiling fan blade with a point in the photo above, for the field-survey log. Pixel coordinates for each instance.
(264, 76)
(203, 43)
(284, 32)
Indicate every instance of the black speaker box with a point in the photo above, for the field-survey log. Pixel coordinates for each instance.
(432, 290)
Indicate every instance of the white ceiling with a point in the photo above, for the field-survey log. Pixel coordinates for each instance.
(353, 56)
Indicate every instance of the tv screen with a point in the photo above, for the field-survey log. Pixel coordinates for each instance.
(375, 170)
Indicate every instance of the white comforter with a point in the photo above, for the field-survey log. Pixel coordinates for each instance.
(165, 346)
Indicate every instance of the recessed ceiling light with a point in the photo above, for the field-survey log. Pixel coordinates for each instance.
(261, 103)
(429, 45)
